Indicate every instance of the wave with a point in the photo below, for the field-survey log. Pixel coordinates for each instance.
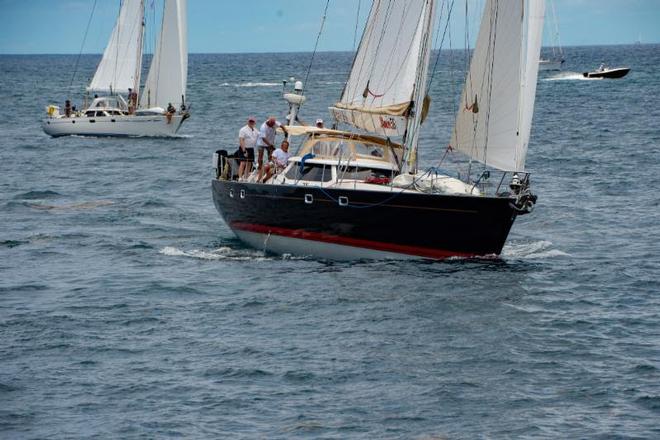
(251, 84)
(222, 253)
(35, 195)
(570, 76)
(531, 251)
(73, 206)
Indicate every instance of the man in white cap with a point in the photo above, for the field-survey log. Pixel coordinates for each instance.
(319, 123)
(247, 140)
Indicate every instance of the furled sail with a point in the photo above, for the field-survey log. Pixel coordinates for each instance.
(494, 119)
(379, 94)
(168, 74)
(120, 66)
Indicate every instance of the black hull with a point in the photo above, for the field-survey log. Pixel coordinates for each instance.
(376, 224)
(612, 74)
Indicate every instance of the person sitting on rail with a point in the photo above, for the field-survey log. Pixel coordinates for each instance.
(280, 159)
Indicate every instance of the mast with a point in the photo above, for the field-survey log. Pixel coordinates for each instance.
(138, 67)
(420, 99)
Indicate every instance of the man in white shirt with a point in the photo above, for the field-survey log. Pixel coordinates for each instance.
(280, 160)
(266, 141)
(247, 140)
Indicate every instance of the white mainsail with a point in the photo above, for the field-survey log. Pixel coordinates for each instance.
(120, 66)
(494, 119)
(379, 94)
(168, 74)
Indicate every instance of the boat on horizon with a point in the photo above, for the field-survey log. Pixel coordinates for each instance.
(606, 72)
(117, 109)
(360, 193)
(556, 60)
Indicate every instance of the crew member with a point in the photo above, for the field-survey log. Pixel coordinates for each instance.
(266, 141)
(247, 140)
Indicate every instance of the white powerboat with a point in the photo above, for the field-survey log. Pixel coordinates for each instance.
(606, 72)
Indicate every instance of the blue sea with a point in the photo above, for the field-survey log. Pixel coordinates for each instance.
(129, 310)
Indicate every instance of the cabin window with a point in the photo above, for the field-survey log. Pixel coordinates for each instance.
(100, 113)
(90, 114)
(310, 173)
(369, 150)
(329, 148)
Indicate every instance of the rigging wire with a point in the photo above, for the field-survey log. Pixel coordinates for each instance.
(357, 22)
(316, 45)
(75, 67)
(442, 40)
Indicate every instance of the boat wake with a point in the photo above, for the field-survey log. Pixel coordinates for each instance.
(570, 76)
(534, 250)
(222, 253)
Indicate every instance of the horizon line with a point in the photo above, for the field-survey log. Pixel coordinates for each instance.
(306, 52)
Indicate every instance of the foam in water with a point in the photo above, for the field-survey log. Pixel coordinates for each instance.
(222, 253)
(531, 251)
(570, 76)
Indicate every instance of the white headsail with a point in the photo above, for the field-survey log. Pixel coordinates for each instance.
(380, 91)
(494, 119)
(168, 74)
(120, 66)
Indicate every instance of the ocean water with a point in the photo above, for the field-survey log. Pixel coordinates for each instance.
(129, 310)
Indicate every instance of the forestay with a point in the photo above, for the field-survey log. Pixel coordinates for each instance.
(120, 66)
(167, 78)
(378, 95)
(494, 119)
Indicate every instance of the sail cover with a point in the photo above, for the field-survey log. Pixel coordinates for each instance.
(119, 68)
(494, 118)
(168, 74)
(379, 92)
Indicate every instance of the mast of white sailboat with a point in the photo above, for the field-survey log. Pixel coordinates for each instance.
(556, 30)
(420, 100)
(140, 54)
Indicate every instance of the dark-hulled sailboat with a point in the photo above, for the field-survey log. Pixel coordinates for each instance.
(351, 195)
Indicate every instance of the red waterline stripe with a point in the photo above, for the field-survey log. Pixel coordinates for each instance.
(346, 241)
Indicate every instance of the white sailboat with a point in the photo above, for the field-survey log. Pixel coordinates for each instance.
(162, 108)
(556, 60)
(359, 193)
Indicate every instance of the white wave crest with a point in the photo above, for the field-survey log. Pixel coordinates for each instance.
(251, 84)
(531, 251)
(222, 253)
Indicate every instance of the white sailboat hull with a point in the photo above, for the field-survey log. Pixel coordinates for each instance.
(550, 64)
(148, 126)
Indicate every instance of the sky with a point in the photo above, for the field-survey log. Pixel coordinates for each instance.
(230, 26)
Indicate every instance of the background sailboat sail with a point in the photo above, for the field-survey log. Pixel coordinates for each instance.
(120, 66)
(494, 118)
(379, 92)
(168, 74)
